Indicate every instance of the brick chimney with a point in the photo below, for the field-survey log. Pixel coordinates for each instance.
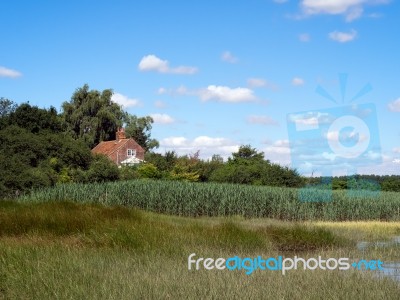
(120, 134)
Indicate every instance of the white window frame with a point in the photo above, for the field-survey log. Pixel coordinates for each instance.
(131, 152)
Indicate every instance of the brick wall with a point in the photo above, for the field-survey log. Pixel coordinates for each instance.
(122, 153)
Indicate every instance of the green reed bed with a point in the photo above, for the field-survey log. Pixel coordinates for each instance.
(212, 199)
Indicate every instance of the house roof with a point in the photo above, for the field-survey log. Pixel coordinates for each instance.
(109, 147)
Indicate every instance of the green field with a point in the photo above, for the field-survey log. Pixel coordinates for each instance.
(213, 199)
(66, 250)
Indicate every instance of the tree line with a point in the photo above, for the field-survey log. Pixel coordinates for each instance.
(42, 147)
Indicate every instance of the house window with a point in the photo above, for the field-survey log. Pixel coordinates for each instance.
(131, 152)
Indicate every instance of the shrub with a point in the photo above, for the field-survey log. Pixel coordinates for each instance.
(102, 169)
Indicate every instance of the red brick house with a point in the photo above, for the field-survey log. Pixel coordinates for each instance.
(122, 151)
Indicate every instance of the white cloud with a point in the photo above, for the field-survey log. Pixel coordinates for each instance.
(162, 118)
(350, 9)
(153, 63)
(215, 92)
(229, 57)
(395, 105)
(162, 91)
(207, 146)
(5, 72)
(309, 120)
(375, 15)
(330, 6)
(174, 141)
(263, 120)
(278, 152)
(297, 81)
(329, 156)
(343, 37)
(200, 141)
(373, 155)
(256, 82)
(205, 141)
(304, 37)
(260, 82)
(160, 104)
(354, 14)
(396, 150)
(124, 101)
(389, 166)
(181, 90)
(183, 70)
(226, 94)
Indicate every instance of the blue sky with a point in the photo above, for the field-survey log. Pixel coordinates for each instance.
(214, 75)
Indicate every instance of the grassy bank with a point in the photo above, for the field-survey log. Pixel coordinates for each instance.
(63, 250)
(210, 199)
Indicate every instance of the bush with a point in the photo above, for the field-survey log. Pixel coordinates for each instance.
(128, 172)
(102, 169)
(148, 170)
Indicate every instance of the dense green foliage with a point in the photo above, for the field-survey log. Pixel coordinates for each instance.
(140, 130)
(247, 166)
(31, 160)
(211, 199)
(40, 147)
(92, 116)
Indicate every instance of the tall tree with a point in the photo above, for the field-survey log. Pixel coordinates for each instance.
(6, 107)
(246, 153)
(36, 119)
(140, 130)
(92, 116)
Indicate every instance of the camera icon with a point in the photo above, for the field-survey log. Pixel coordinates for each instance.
(333, 142)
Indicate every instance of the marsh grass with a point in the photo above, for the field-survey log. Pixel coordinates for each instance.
(64, 250)
(300, 238)
(63, 273)
(103, 226)
(60, 218)
(364, 230)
